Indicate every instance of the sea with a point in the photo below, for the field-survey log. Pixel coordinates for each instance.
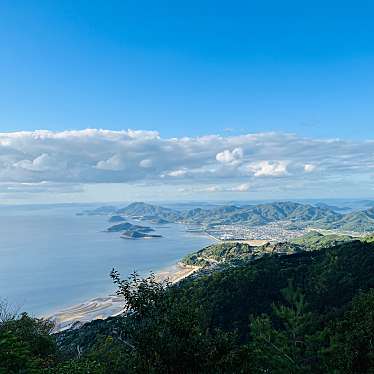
(51, 258)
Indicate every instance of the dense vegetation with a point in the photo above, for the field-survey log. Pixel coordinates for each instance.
(237, 251)
(360, 221)
(314, 240)
(309, 312)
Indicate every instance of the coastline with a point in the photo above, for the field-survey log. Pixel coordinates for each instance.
(112, 305)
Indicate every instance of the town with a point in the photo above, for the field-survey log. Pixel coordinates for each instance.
(272, 232)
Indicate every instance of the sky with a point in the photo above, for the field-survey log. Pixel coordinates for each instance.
(123, 100)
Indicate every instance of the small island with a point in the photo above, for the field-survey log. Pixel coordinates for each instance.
(130, 231)
(131, 234)
(127, 226)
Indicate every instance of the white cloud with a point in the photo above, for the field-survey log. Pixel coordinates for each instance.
(102, 156)
(309, 168)
(268, 168)
(177, 173)
(146, 163)
(113, 163)
(228, 156)
(41, 163)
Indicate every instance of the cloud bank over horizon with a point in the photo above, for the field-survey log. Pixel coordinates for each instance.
(46, 161)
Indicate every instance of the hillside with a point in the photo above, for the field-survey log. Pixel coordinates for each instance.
(324, 296)
(362, 221)
(251, 214)
(148, 210)
(237, 251)
(315, 240)
(218, 253)
(261, 214)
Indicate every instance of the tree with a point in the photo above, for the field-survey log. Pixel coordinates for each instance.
(286, 341)
(352, 343)
(26, 345)
(166, 333)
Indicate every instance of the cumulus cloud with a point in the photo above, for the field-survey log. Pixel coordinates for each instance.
(268, 168)
(43, 162)
(112, 163)
(129, 156)
(228, 156)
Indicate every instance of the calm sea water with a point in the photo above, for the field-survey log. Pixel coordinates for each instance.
(50, 258)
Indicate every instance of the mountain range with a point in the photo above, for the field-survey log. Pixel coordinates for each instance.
(296, 214)
(256, 215)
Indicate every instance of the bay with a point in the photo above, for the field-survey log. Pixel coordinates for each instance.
(50, 258)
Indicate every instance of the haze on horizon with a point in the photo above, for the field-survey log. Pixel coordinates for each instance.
(120, 101)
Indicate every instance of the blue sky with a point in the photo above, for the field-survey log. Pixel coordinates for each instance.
(188, 67)
(298, 76)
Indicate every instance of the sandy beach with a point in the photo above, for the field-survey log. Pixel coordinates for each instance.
(104, 307)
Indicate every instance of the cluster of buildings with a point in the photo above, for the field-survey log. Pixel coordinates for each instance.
(275, 231)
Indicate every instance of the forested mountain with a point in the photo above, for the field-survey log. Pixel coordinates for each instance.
(228, 252)
(298, 215)
(309, 312)
(259, 214)
(356, 221)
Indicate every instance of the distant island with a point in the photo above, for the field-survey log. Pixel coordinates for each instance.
(292, 215)
(127, 226)
(130, 231)
(133, 234)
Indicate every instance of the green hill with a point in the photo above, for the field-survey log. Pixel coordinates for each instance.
(237, 251)
(219, 253)
(314, 240)
(361, 221)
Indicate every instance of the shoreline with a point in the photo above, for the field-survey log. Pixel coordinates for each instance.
(111, 305)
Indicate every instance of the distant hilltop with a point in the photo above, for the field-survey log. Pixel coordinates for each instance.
(297, 214)
(231, 252)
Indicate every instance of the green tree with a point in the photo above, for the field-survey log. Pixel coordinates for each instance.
(26, 345)
(166, 333)
(286, 341)
(353, 337)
